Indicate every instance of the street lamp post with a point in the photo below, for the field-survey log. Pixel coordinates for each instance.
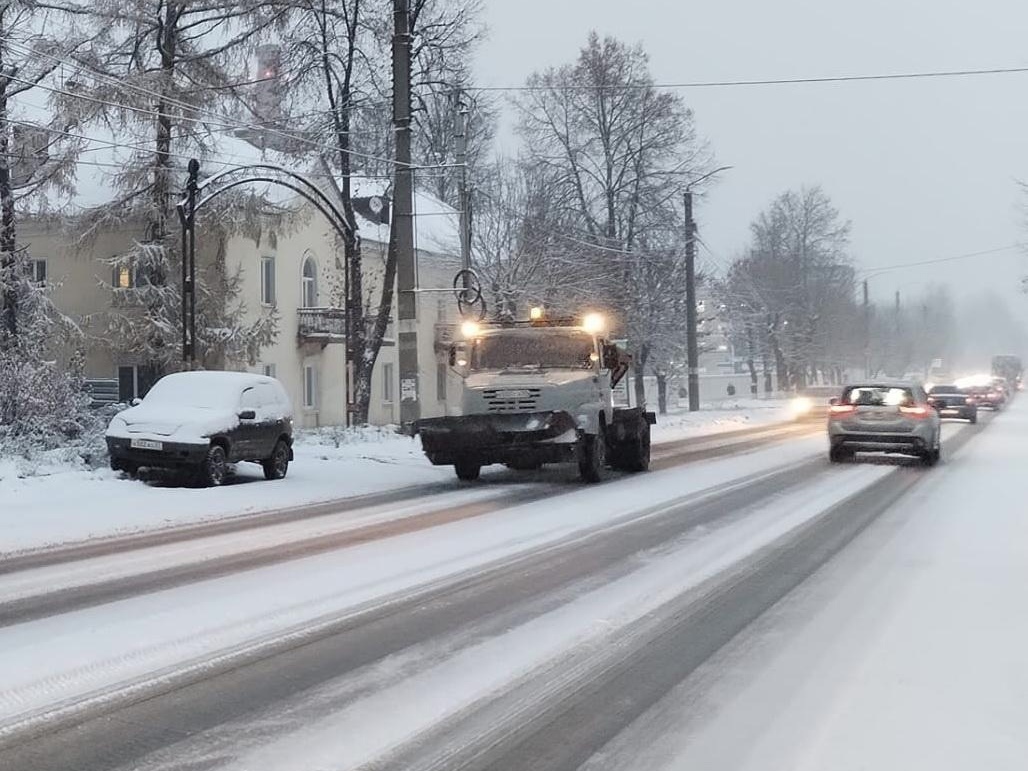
(691, 334)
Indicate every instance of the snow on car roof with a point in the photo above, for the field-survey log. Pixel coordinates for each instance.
(213, 389)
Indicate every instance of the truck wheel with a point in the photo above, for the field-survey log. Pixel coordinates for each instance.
(592, 462)
(637, 454)
(467, 471)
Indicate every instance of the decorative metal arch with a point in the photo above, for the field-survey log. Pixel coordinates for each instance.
(216, 185)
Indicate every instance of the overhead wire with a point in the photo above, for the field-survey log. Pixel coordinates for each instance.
(962, 73)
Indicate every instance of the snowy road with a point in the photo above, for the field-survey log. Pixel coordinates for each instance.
(536, 633)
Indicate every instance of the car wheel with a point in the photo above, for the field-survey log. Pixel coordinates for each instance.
(973, 419)
(467, 471)
(931, 457)
(214, 467)
(277, 466)
(839, 455)
(592, 463)
(123, 465)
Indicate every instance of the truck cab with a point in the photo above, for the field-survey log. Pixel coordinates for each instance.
(536, 392)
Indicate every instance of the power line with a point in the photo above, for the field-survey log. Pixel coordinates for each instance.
(225, 121)
(878, 271)
(767, 81)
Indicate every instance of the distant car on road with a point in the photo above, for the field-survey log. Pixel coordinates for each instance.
(811, 403)
(203, 421)
(954, 402)
(884, 417)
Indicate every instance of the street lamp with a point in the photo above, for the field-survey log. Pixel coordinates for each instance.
(692, 343)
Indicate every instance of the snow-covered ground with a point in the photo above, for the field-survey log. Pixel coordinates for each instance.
(125, 643)
(54, 498)
(906, 651)
(720, 417)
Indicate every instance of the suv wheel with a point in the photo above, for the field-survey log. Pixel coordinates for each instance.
(214, 467)
(128, 467)
(277, 465)
(592, 463)
(931, 457)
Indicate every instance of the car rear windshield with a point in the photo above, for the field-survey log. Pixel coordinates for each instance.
(877, 396)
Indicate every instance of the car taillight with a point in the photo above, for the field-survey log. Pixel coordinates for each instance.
(969, 400)
(915, 412)
(839, 410)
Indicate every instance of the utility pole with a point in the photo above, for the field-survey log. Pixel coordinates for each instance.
(403, 222)
(460, 134)
(692, 344)
(867, 332)
(187, 215)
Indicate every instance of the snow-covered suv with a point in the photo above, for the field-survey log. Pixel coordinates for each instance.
(202, 422)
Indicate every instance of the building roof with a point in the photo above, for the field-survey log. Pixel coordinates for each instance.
(436, 223)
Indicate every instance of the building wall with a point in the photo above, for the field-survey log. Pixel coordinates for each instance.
(80, 278)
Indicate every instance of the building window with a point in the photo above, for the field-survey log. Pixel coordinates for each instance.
(267, 280)
(387, 383)
(269, 370)
(39, 271)
(309, 284)
(123, 277)
(310, 387)
(441, 375)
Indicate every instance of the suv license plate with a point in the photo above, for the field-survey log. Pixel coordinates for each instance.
(146, 444)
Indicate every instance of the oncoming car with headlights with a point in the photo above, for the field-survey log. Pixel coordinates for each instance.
(811, 403)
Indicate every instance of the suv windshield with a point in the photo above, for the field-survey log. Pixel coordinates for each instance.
(877, 396)
(534, 349)
(947, 389)
(194, 390)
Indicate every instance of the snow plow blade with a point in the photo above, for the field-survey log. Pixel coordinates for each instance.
(499, 438)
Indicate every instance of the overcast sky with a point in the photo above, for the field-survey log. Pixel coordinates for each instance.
(923, 168)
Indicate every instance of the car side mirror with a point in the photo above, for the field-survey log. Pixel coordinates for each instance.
(136, 402)
(833, 401)
(247, 415)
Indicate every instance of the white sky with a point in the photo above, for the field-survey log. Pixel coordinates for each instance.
(923, 168)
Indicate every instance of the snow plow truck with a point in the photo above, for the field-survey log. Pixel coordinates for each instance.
(536, 392)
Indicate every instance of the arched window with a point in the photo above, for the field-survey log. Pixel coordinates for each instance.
(309, 287)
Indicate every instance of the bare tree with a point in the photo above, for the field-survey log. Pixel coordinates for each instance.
(796, 285)
(617, 152)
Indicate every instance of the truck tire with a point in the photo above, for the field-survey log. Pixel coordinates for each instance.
(467, 471)
(592, 461)
(633, 456)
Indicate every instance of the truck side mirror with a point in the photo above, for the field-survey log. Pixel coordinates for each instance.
(611, 356)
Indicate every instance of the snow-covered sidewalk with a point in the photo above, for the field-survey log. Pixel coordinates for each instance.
(907, 651)
(48, 501)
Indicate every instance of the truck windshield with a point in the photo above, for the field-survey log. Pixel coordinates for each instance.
(534, 349)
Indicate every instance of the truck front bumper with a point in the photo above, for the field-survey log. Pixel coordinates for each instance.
(539, 437)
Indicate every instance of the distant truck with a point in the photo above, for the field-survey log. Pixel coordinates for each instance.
(536, 392)
(1008, 366)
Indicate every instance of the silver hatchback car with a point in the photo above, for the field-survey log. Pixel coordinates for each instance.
(884, 417)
